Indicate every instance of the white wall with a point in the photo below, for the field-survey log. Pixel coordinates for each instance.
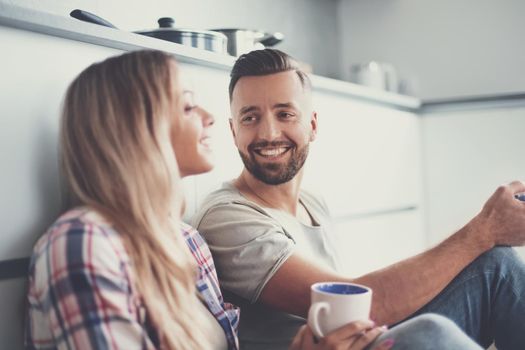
(30, 96)
(309, 26)
(453, 48)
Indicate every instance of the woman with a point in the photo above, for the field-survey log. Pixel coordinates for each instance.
(114, 271)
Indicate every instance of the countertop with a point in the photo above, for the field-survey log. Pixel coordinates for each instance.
(70, 28)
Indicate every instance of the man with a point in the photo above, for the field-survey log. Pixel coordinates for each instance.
(271, 240)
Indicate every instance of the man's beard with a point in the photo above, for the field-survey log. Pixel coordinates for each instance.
(275, 173)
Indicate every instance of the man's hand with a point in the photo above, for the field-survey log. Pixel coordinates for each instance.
(502, 219)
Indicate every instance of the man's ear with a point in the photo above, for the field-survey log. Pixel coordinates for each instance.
(313, 124)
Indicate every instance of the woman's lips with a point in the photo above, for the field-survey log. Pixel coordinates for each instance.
(206, 141)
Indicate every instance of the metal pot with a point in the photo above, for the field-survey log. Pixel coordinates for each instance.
(244, 40)
(202, 39)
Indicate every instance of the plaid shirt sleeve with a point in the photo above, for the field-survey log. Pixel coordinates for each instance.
(208, 286)
(80, 292)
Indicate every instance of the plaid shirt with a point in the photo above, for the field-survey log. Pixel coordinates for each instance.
(82, 296)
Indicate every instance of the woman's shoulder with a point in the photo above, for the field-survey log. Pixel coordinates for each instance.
(80, 234)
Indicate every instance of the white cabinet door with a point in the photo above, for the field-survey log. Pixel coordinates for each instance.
(366, 157)
(467, 155)
(370, 243)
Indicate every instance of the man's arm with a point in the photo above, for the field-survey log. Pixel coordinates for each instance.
(403, 288)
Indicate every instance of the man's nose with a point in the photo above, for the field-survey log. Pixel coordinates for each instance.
(269, 128)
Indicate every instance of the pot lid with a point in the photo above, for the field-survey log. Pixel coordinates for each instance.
(166, 24)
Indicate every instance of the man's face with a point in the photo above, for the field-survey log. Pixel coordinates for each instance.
(272, 125)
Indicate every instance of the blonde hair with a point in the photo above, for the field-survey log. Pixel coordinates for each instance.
(117, 158)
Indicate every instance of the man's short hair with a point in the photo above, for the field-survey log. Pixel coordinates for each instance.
(264, 62)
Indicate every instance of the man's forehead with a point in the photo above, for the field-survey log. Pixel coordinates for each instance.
(289, 76)
(286, 83)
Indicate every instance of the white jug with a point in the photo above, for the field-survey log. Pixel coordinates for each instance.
(374, 74)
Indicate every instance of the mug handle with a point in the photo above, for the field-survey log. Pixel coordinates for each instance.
(313, 315)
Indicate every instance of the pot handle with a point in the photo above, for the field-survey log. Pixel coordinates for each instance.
(91, 18)
(271, 39)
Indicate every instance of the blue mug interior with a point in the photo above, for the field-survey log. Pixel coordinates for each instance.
(336, 288)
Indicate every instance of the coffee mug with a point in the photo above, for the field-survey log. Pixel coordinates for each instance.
(335, 304)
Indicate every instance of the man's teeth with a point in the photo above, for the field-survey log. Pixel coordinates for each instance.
(272, 152)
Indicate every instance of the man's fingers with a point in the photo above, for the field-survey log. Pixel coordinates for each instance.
(517, 187)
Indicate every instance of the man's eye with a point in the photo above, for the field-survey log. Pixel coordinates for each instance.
(285, 115)
(248, 119)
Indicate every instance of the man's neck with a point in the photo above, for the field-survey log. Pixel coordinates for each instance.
(283, 197)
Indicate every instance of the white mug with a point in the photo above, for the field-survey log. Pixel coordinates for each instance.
(335, 304)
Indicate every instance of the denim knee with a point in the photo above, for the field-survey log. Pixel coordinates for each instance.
(429, 332)
(433, 324)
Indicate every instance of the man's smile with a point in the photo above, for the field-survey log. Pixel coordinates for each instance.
(271, 152)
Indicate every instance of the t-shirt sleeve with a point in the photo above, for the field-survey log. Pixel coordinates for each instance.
(248, 247)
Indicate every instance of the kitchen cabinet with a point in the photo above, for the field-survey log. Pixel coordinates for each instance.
(370, 243)
(469, 151)
(366, 164)
(366, 157)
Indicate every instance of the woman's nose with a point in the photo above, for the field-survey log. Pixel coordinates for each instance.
(207, 117)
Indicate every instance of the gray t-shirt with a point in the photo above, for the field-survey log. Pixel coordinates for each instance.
(249, 244)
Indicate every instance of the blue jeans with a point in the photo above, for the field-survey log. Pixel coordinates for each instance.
(485, 301)
(427, 332)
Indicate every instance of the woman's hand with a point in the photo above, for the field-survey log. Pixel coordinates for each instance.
(353, 336)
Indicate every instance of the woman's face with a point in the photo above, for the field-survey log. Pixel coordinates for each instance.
(190, 135)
